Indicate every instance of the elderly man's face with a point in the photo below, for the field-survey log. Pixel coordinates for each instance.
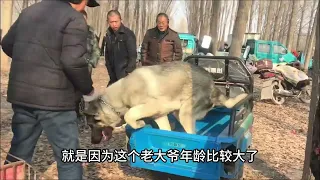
(162, 23)
(114, 22)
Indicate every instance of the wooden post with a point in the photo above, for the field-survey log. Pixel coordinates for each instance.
(6, 18)
(314, 118)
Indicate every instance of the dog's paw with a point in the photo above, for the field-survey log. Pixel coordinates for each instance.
(140, 124)
(137, 124)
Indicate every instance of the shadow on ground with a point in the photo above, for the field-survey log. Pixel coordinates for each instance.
(266, 170)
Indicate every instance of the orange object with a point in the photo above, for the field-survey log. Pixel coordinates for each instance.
(294, 52)
(13, 171)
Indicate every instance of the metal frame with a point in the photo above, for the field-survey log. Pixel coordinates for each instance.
(227, 80)
(28, 172)
(248, 87)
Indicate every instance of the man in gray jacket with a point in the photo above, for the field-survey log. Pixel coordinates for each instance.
(48, 66)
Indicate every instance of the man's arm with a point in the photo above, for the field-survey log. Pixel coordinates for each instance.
(132, 52)
(177, 48)
(144, 48)
(95, 56)
(9, 39)
(73, 55)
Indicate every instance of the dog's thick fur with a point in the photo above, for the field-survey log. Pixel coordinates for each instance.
(155, 91)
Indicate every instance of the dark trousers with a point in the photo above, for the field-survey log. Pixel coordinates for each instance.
(61, 129)
(112, 76)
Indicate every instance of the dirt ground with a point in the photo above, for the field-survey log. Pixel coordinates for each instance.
(279, 135)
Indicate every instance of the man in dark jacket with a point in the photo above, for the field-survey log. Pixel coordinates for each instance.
(48, 66)
(120, 48)
(161, 44)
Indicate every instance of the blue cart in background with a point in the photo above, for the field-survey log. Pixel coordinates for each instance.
(221, 129)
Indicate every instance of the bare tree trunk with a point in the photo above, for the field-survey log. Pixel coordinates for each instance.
(192, 16)
(143, 18)
(292, 25)
(275, 13)
(189, 12)
(265, 16)
(223, 7)
(229, 19)
(310, 45)
(101, 19)
(238, 33)
(301, 22)
(195, 15)
(226, 12)
(284, 23)
(269, 20)
(310, 26)
(279, 16)
(313, 142)
(7, 7)
(165, 5)
(136, 16)
(126, 12)
(201, 18)
(234, 4)
(252, 12)
(208, 17)
(152, 19)
(214, 21)
(260, 16)
(222, 22)
(115, 4)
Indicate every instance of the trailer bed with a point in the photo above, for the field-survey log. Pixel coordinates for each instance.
(211, 135)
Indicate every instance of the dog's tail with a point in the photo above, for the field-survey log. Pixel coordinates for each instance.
(218, 97)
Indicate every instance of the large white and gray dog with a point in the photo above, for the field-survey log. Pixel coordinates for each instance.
(155, 91)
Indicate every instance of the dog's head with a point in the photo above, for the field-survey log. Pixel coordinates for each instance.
(102, 118)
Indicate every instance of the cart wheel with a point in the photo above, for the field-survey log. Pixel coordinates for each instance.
(155, 175)
(241, 173)
(278, 100)
(240, 176)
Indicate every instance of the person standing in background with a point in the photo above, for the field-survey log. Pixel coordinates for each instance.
(93, 52)
(161, 44)
(120, 48)
(92, 46)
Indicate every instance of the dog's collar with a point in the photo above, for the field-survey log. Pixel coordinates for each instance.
(105, 103)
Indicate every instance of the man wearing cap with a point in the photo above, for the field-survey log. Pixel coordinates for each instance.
(48, 66)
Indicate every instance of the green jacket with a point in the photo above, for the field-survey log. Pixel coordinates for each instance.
(93, 49)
